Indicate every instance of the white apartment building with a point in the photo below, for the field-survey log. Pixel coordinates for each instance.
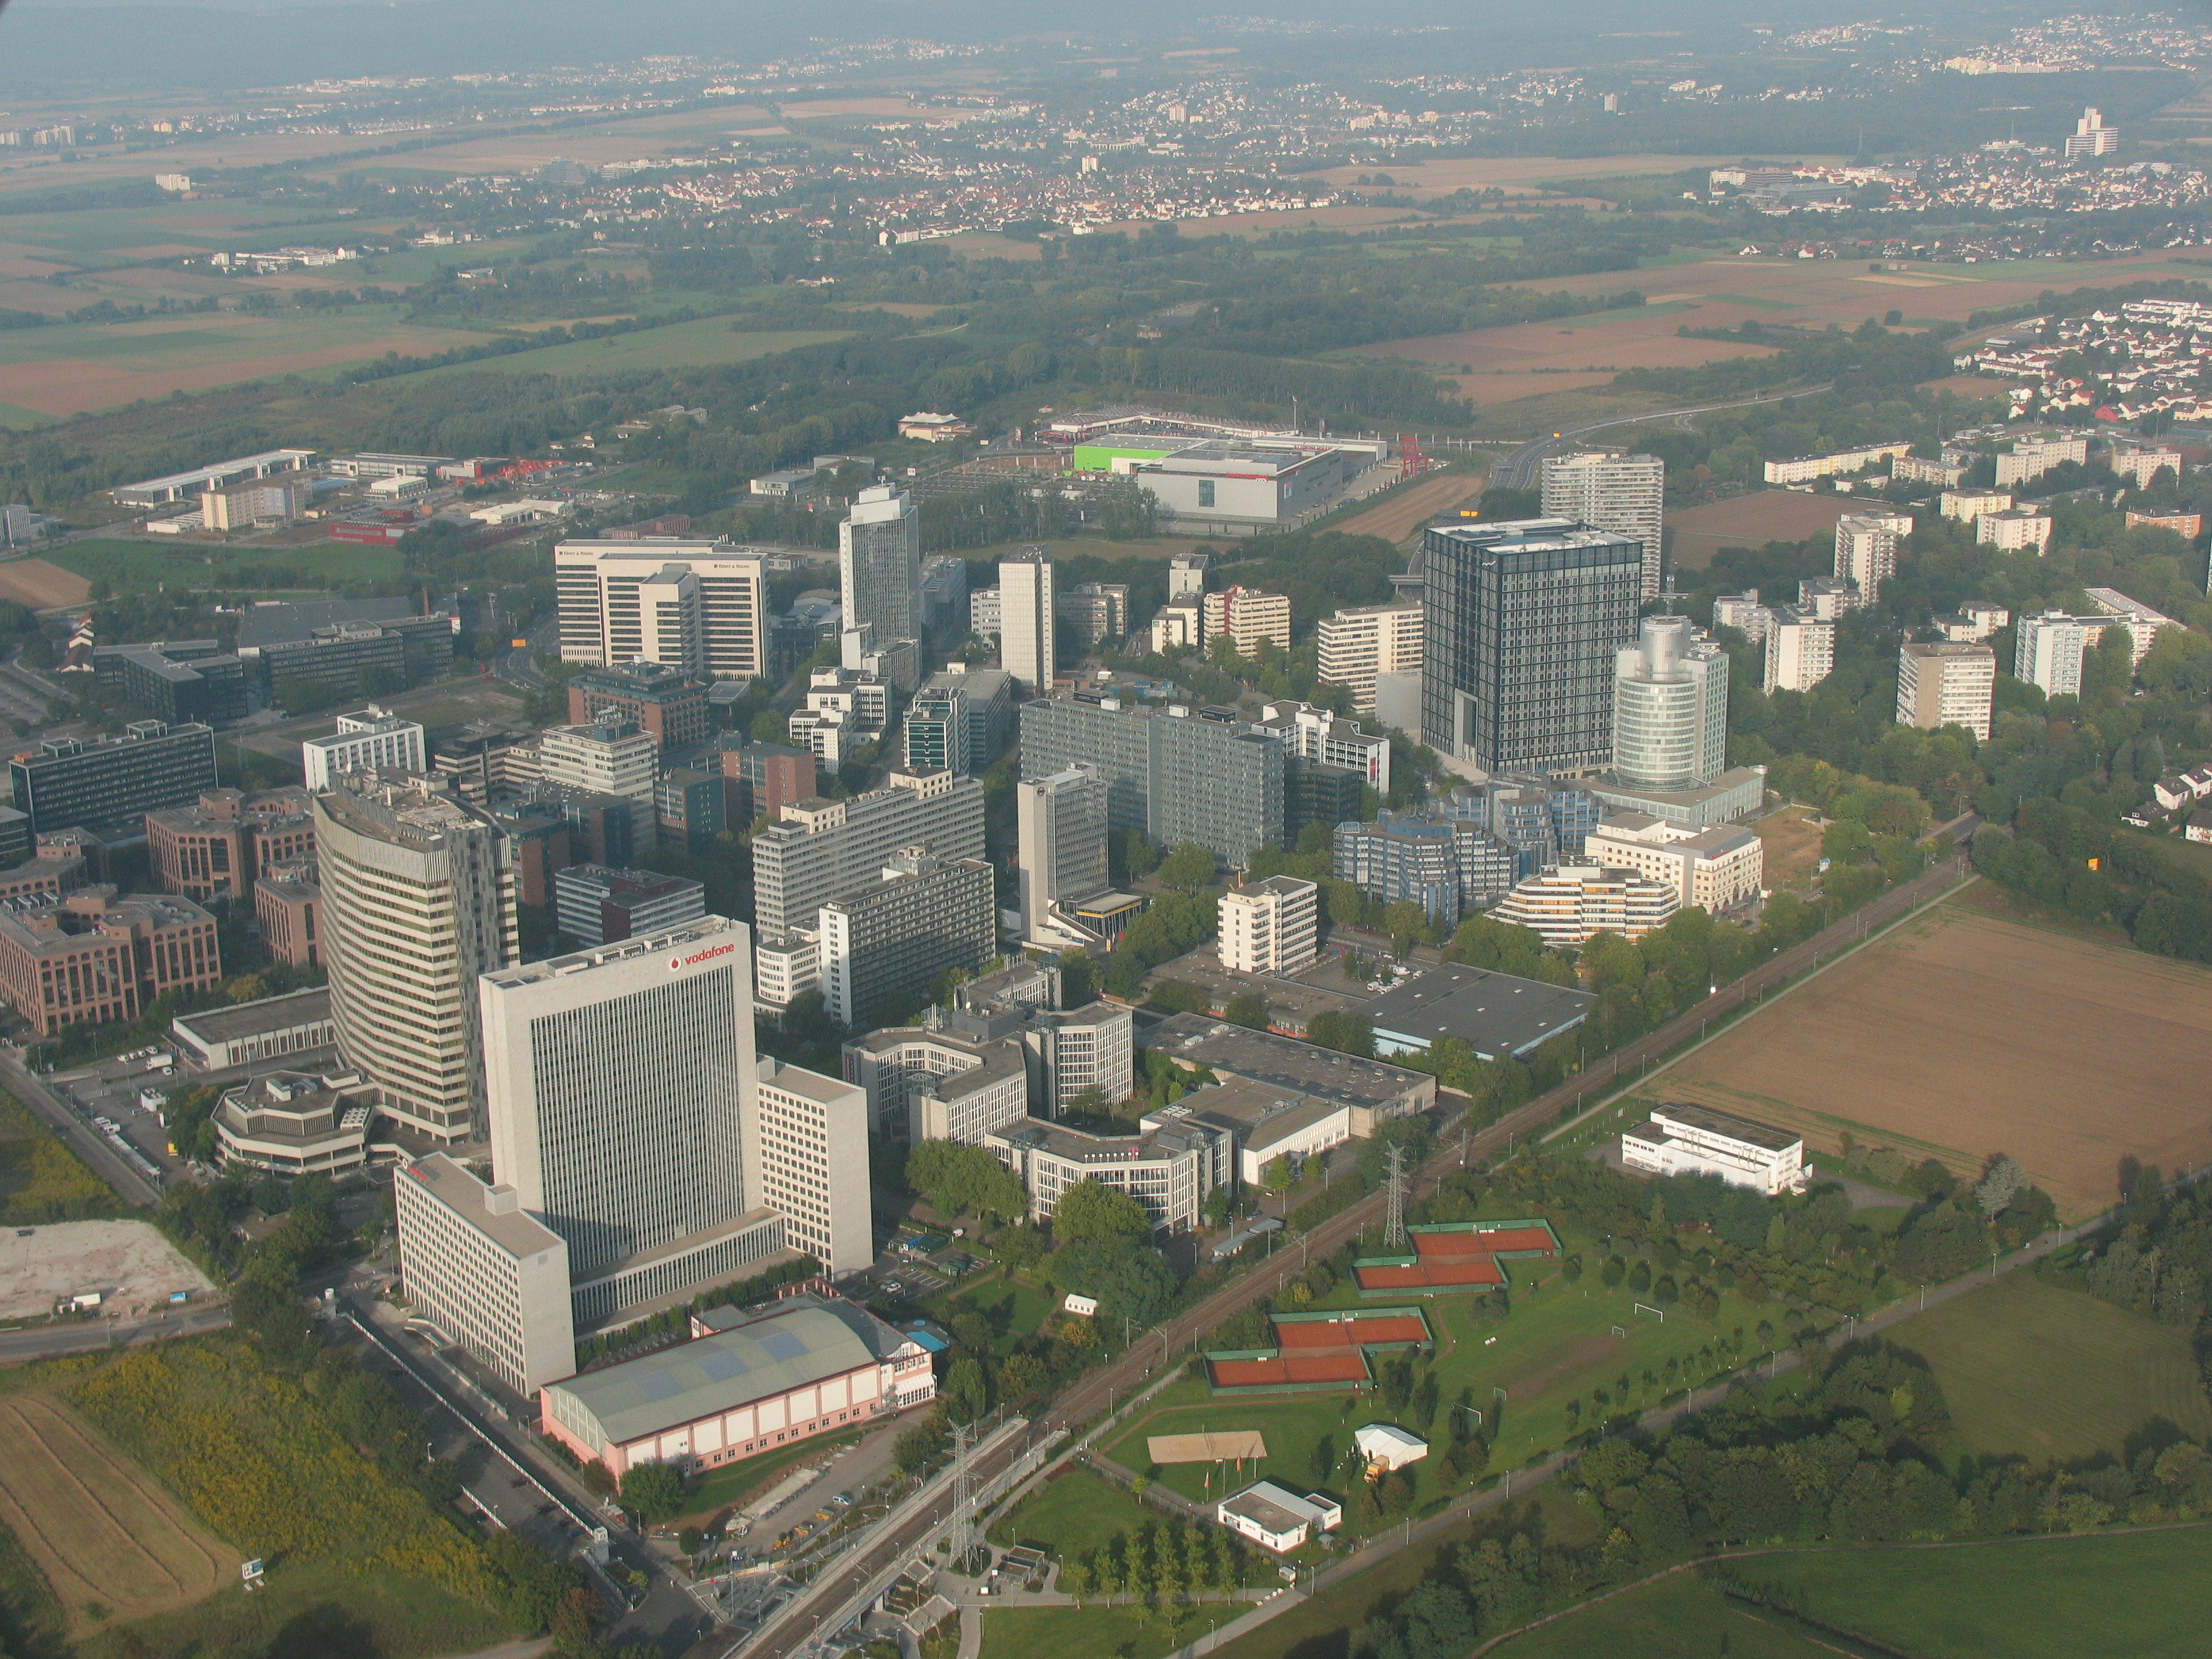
(1571, 902)
(2092, 136)
(2141, 465)
(806, 1159)
(1744, 613)
(1076, 1050)
(1711, 869)
(1246, 617)
(418, 896)
(1623, 494)
(1269, 927)
(2014, 530)
(1967, 506)
(785, 970)
(1920, 468)
(1800, 650)
(1316, 734)
(490, 1277)
(1698, 1140)
(698, 605)
(1974, 621)
(1946, 684)
(1358, 644)
(2048, 649)
(821, 850)
(1867, 544)
(370, 738)
(2031, 458)
(1026, 618)
(1178, 627)
(1827, 598)
(1803, 469)
(2143, 624)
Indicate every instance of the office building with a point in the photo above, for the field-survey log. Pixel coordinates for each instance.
(1098, 611)
(934, 1083)
(1267, 1125)
(173, 680)
(2031, 458)
(67, 783)
(1060, 820)
(944, 609)
(294, 1123)
(216, 848)
(1521, 621)
(1324, 738)
(1867, 545)
(937, 730)
(1075, 1051)
(879, 565)
(1448, 866)
(1170, 1171)
(367, 739)
(100, 955)
(992, 701)
(1946, 684)
(689, 806)
(1375, 1092)
(983, 613)
(1247, 618)
(615, 759)
(751, 1381)
(761, 779)
(1270, 926)
(1714, 870)
(1176, 774)
(288, 903)
(785, 970)
(1571, 903)
(482, 1273)
(418, 900)
(666, 704)
(485, 760)
(360, 647)
(1669, 706)
(269, 1028)
(1623, 494)
(1359, 645)
(1800, 650)
(806, 1160)
(594, 905)
(177, 486)
(1699, 1140)
(892, 939)
(823, 849)
(2092, 136)
(278, 499)
(1496, 1015)
(699, 606)
(618, 1078)
(1027, 618)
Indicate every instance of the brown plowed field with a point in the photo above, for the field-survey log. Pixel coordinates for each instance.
(1961, 1035)
(1696, 533)
(1409, 506)
(99, 1529)
(41, 585)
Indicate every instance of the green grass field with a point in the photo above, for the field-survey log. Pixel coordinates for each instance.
(1681, 1615)
(1013, 1309)
(1073, 1512)
(140, 567)
(710, 342)
(2056, 1374)
(319, 1609)
(1099, 1632)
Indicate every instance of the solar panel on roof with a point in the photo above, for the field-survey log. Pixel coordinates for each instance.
(721, 1366)
(782, 1345)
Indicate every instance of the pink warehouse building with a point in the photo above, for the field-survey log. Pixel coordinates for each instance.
(750, 1379)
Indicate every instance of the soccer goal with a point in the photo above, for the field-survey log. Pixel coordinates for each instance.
(1621, 1330)
(1657, 1313)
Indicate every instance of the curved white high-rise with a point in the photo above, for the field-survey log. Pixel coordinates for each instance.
(1669, 708)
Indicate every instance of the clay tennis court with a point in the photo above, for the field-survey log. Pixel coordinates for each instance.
(1459, 1258)
(1962, 1034)
(1695, 533)
(1326, 1350)
(41, 585)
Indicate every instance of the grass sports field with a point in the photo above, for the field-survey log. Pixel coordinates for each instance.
(1960, 1035)
(2054, 1374)
(108, 1540)
(709, 341)
(138, 567)
(1075, 1511)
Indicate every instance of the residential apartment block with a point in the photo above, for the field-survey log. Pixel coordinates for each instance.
(1358, 645)
(1270, 926)
(823, 849)
(1946, 684)
(1800, 650)
(893, 939)
(1246, 616)
(1867, 545)
(1623, 494)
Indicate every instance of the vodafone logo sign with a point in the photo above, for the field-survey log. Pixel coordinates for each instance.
(675, 963)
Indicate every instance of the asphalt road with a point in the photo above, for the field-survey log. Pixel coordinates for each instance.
(1522, 469)
(76, 1134)
(43, 1341)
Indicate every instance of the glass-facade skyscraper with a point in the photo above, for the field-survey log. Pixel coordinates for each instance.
(879, 566)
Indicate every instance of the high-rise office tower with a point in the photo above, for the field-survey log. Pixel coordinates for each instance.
(894, 936)
(1176, 774)
(1947, 683)
(1669, 708)
(879, 565)
(1026, 615)
(1866, 549)
(618, 1077)
(1060, 820)
(806, 1160)
(417, 899)
(1624, 494)
(1522, 621)
(823, 850)
(937, 729)
(698, 606)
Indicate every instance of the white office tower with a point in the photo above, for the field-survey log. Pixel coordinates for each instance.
(1669, 708)
(806, 1159)
(1187, 576)
(1269, 927)
(618, 1078)
(488, 1276)
(1946, 684)
(418, 901)
(1801, 649)
(613, 759)
(2092, 136)
(1359, 645)
(1061, 822)
(698, 605)
(1866, 549)
(1026, 615)
(879, 565)
(1624, 494)
(370, 738)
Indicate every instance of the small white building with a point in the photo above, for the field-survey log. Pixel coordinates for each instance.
(367, 738)
(1697, 1141)
(1269, 927)
(1276, 1517)
(1386, 1446)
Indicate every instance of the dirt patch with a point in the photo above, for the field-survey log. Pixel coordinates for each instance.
(1968, 386)
(1961, 1035)
(896, 109)
(1639, 337)
(74, 386)
(1696, 533)
(41, 585)
(128, 1262)
(1408, 507)
(1790, 846)
(1591, 1350)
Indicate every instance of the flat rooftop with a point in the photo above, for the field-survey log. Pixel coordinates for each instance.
(245, 1019)
(1258, 1114)
(1283, 1063)
(515, 1231)
(807, 1085)
(704, 933)
(1492, 1014)
(285, 621)
(1725, 1123)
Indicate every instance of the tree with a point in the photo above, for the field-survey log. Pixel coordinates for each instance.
(965, 1394)
(1247, 1008)
(653, 1491)
(1188, 868)
(1128, 1279)
(1090, 1209)
(957, 1178)
(2004, 1182)
(768, 726)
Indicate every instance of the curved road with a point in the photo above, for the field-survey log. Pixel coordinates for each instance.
(1520, 470)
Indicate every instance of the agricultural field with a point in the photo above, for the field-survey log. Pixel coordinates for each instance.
(41, 1180)
(710, 342)
(2052, 1374)
(1406, 510)
(139, 566)
(1960, 1034)
(41, 585)
(1696, 533)
(107, 1538)
(1677, 1614)
(1101, 1633)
